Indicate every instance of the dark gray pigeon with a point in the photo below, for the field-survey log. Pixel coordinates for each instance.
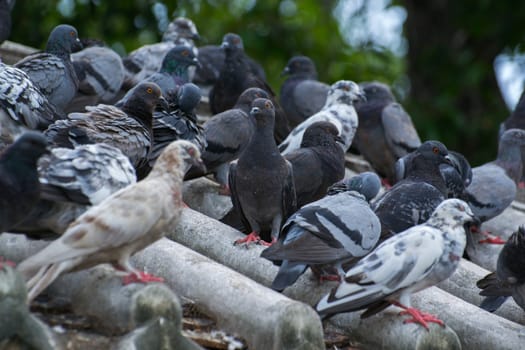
(413, 260)
(261, 182)
(338, 110)
(52, 71)
(509, 278)
(516, 120)
(128, 128)
(6, 6)
(319, 163)
(385, 132)
(71, 180)
(227, 134)
(19, 184)
(22, 105)
(302, 95)
(331, 231)
(147, 59)
(411, 201)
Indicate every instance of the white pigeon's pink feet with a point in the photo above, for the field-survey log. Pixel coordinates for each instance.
(140, 277)
(423, 318)
(254, 237)
(489, 237)
(6, 262)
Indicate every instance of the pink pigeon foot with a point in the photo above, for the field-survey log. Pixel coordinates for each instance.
(489, 239)
(335, 278)
(141, 277)
(6, 262)
(224, 190)
(386, 183)
(521, 185)
(423, 318)
(252, 237)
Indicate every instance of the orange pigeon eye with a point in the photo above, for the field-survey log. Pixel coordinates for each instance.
(149, 90)
(185, 53)
(268, 105)
(435, 150)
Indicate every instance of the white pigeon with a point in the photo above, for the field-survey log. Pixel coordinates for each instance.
(338, 109)
(122, 224)
(410, 261)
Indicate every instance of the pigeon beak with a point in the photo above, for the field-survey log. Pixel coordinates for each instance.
(285, 71)
(196, 166)
(339, 140)
(225, 45)
(448, 160)
(196, 37)
(196, 62)
(163, 103)
(255, 110)
(77, 45)
(362, 96)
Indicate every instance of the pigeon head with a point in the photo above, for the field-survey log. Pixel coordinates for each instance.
(462, 166)
(321, 133)
(188, 97)
(179, 29)
(232, 42)
(63, 40)
(178, 157)
(178, 59)
(27, 148)
(344, 92)
(263, 112)
(512, 137)
(142, 99)
(366, 183)
(244, 102)
(376, 91)
(452, 211)
(300, 64)
(434, 150)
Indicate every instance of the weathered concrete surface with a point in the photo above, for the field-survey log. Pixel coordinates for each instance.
(264, 318)
(202, 195)
(463, 285)
(476, 328)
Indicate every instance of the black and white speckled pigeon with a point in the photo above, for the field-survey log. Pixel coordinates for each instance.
(19, 186)
(509, 278)
(339, 110)
(100, 73)
(385, 132)
(147, 59)
(128, 128)
(6, 6)
(22, 105)
(227, 134)
(125, 222)
(494, 184)
(261, 182)
(319, 163)
(173, 72)
(331, 231)
(302, 95)
(71, 180)
(52, 71)
(415, 259)
(412, 200)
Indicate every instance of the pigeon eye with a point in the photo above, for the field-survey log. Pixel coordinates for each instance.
(149, 90)
(185, 53)
(72, 33)
(268, 105)
(191, 152)
(461, 207)
(435, 150)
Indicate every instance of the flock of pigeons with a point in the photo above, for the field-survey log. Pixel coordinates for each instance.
(79, 127)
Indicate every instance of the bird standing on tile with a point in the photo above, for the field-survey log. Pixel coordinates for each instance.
(302, 95)
(331, 231)
(385, 132)
(319, 163)
(261, 182)
(413, 260)
(52, 71)
(338, 110)
(122, 224)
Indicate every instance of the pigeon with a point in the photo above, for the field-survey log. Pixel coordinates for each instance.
(331, 231)
(174, 71)
(128, 128)
(100, 73)
(415, 259)
(385, 132)
(338, 110)
(122, 224)
(22, 105)
(261, 182)
(516, 120)
(227, 134)
(179, 122)
(71, 180)
(319, 163)
(147, 60)
(509, 278)
(19, 184)
(302, 95)
(494, 184)
(412, 200)
(457, 175)
(6, 6)
(52, 71)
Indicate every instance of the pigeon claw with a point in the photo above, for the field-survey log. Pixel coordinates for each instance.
(6, 262)
(224, 190)
(140, 277)
(266, 244)
(251, 238)
(492, 240)
(420, 317)
(335, 278)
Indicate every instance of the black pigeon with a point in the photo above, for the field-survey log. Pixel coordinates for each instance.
(174, 71)
(52, 71)
(19, 184)
(509, 278)
(227, 134)
(385, 131)
(319, 163)
(302, 95)
(412, 200)
(331, 231)
(5, 18)
(261, 182)
(128, 128)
